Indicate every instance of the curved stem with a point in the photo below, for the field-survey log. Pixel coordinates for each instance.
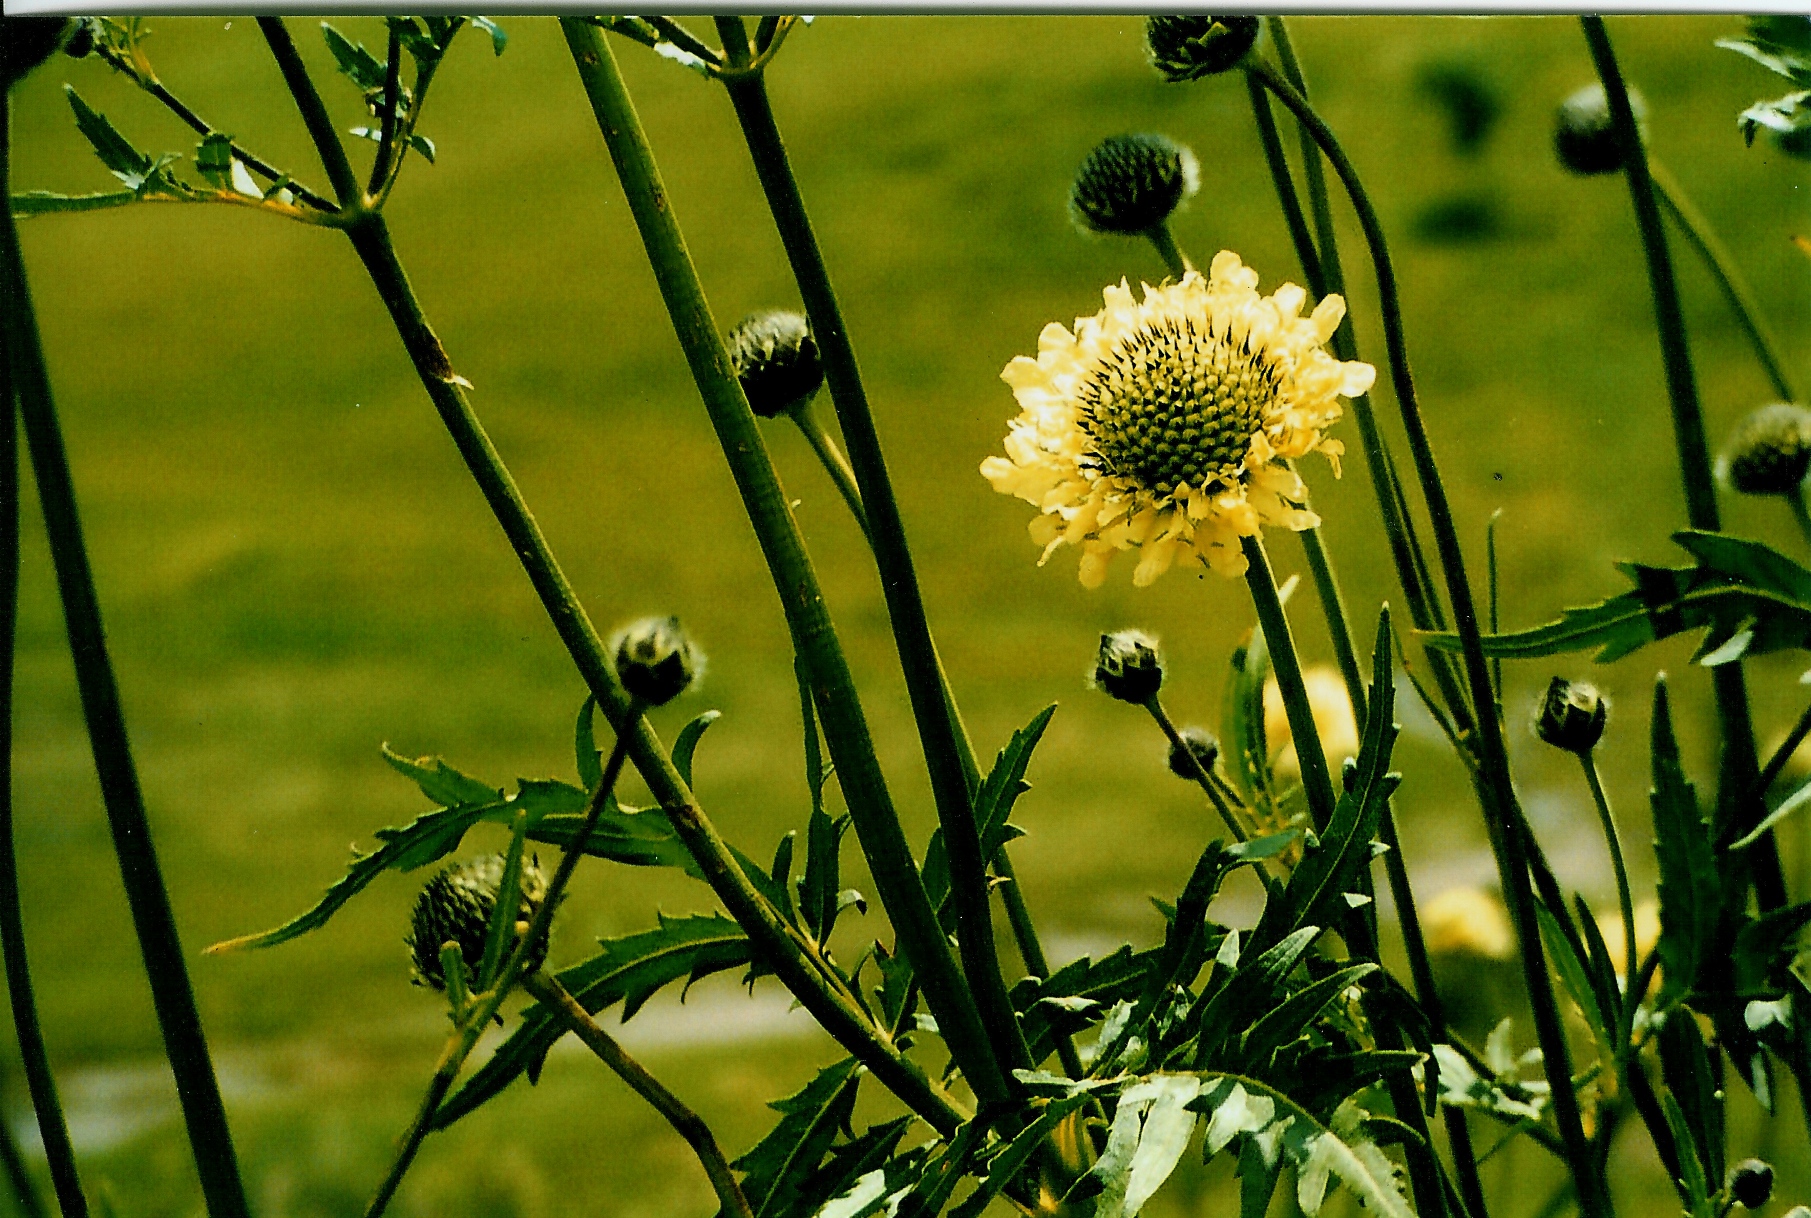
(1204, 777)
(172, 995)
(314, 111)
(688, 1124)
(1287, 197)
(1613, 841)
(1173, 258)
(1795, 499)
(937, 729)
(834, 463)
(1728, 274)
(40, 1080)
(1782, 756)
(1738, 765)
(392, 99)
(1503, 814)
(877, 825)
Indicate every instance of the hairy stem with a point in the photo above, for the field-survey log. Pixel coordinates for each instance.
(845, 725)
(1503, 814)
(1737, 813)
(688, 1124)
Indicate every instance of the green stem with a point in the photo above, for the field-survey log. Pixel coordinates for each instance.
(1727, 272)
(834, 463)
(1503, 813)
(1795, 499)
(40, 1080)
(314, 112)
(688, 1124)
(1316, 779)
(25, 1193)
(1739, 767)
(152, 918)
(782, 947)
(1204, 777)
(1173, 258)
(877, 825)
(1613, 841)
(1291, 202)
(1782, 756)
(392, 98)
(892, 554)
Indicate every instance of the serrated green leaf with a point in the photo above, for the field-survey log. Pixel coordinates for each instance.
(423, 145)
(777, 1167)
(1115, 978)
(849, 1162)
(440, 782)
(1011, 1159)
(1691, 1167)
(686, 743)
(1737, 586)
(1151, 1128)
(355, 62)
(584, 746)
(993, 803)
(629, 970)
(1686, 1067)
(1601, 971)
(1690, 889)
(1779, 42)
(1250, 989)
(214, 160)
(1573, 973)
(1788, 117)
(1292, 1017)
(1247, 749)
(124, 161)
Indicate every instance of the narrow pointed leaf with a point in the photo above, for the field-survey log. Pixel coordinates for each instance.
(777, 1167)
(1689, 887)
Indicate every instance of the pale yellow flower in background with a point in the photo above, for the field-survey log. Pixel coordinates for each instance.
(1467, 922)
(1333, 719)
(1647, 934)
(1164, 425)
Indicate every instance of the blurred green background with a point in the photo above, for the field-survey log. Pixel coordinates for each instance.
(295, 567)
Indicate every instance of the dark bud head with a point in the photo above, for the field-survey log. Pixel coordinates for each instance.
(1131, 183)
(1200, 742)
(776, 359)
(81, 39)
(655, 659)
(26, 42)
(455, 907)
(1769, 451)
(1583, 135)
(1751, 1183)
(1188, 48)
(1129, 667)
(1572, 716)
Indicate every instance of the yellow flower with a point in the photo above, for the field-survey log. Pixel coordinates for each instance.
(1334, 721)
(1164, 425)
(1467, 922)
(1647, 934)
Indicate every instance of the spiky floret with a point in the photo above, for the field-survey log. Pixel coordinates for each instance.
(1196, 45)
(1164, 425)
(1130, 184)
(455, 907)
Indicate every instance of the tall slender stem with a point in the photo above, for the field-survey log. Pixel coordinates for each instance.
(845, 725)
(1613, 841)
(1503, 814)
(1204, 777)
(53, 1130)
(1727, 272)
(834, 463)
(1291, 203)
(688, 1124)
(1737, 809)
(1174, 259)
(1316, 779)
(392, 99)
(152, 918)
(314, 111)
(892, 554)
(780, 944)
(25, 1193)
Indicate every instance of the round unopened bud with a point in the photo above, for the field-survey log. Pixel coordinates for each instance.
(1584, 135)
(26, 42)
(655, 659)
(455, 907)
(1129, 667)
(1131, 183)
(1769, 451)
(1187, 48)
(81, 39)
(1751, 1183)
(1572, 716)
(776, 359)
(1205, 747)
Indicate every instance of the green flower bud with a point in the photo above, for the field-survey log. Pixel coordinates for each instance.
(455, 907)
(26, 42)
(1751, 1183)
(655, 659)
(1769, 451)
(1584, 136)
(1129, 667)
(1572, 716)
(776, 359)
(1200, 742)
(1187, 48)
(1131, 183)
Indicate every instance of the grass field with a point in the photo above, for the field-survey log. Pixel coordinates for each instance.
(295, 567)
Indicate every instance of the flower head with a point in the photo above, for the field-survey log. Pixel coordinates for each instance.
(1129, 667)
(1583, 134)
(776, 359)
(1467, 922)
(1751, 1183)
(1131, 183)
(1186, 48)
(1770, 451)
(1164, 425)
(655, 659)
(1334, 721)
(1205, 747)
(455, 907)
(1572, 716)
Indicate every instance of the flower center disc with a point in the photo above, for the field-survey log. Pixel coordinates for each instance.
(1174, 405)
